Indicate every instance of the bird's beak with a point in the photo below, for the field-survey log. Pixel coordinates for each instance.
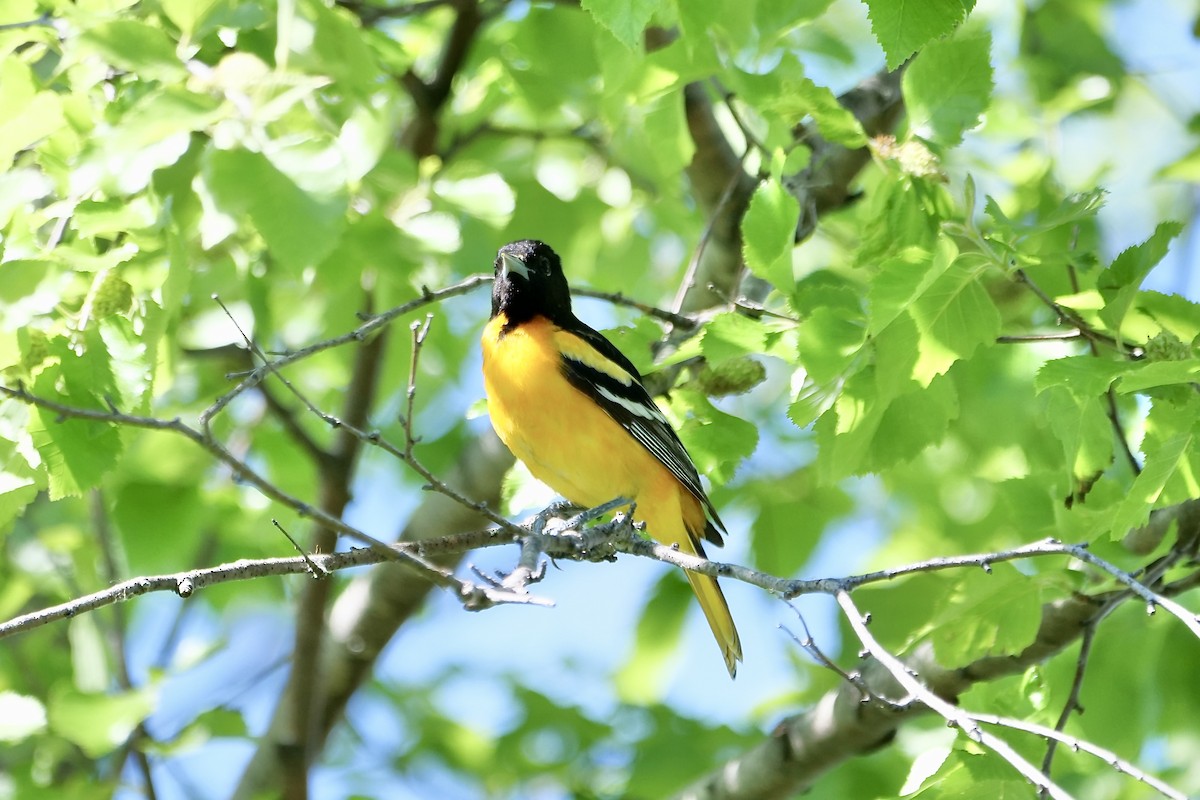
(514, 265)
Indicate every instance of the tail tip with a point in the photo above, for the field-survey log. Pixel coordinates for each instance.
(733, 655)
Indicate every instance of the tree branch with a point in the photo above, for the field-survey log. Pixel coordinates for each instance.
(303, 693)
(1055, 735)
(429, 96)
(471, 594)
(907, 678)
(572, 541)
(117, 644)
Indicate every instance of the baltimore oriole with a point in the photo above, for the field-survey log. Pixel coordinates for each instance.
(574, 409)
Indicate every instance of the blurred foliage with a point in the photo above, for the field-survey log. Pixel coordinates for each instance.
(156, 154)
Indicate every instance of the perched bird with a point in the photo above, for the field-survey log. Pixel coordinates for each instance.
(573, 408)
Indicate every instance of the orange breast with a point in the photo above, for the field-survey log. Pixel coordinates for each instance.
(565, 439)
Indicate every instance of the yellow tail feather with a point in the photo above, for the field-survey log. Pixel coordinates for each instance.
(716, 611)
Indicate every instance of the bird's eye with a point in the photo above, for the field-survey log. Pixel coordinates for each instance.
(544, 265)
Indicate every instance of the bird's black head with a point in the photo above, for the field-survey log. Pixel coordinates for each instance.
(529, 282)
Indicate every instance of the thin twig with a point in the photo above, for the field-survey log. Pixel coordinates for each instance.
(1151, 597)
(359, 334)
(752, 140)
(186, 583)
(1110, 394)
(1081, 745)
(1071, 335)
(855, 679)
(954, 716)
(1071, 317)
(1072, 705)
(689, 277)
(616, 298)
(1114, 418)
(312, 566)
(750, 309)
(565, 542)
(285, 415)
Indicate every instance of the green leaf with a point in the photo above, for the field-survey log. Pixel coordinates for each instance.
(1084, 377)
(901, 218)
(790, 513)
(20, 478)
(624, 19)
(896, 354)
(902, 279)
(137, 47)
(637, 342)
(1172, 312)
(1161, 465)
(155, 133)
(165, 113)
(845, 432)
(968, 776)
(902, 28)
(831, 335)
(657, 769)
(1074, 208)
(18, 11)
(731, 335)
(188, 14)
(955, 316)
(769, 233)
(913, 421)
(868, 432)
(339, 48)
(77, 452)
(99, 723)
(986, 613)
(1142, 375)
(646, 675)
(1119, 284)
(829, 343)
(812, 400)
(1063, 44)
(1082, 426)
(717, 442)
(665, 128)
(948, 86)
(26, 115)
(797, 99)
(299, 227)
(29, 289)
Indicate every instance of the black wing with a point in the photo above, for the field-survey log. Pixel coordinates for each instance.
(617, 387)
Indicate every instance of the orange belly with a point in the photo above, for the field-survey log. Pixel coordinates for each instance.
(583, 455)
